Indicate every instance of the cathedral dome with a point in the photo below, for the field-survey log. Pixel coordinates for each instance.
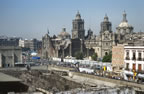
(106, 18)
(124, 24)
(78, 16)
(64, 34)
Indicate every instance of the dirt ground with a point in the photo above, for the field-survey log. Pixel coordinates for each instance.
(43, 79)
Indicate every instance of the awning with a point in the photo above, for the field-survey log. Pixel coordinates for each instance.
(141, 75)
(35, 57)
(128, 73)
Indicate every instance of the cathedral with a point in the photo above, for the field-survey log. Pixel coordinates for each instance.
(63, 45)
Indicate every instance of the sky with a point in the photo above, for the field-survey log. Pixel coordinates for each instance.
(32, 18)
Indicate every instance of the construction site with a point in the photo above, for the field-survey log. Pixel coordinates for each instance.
(61, 80)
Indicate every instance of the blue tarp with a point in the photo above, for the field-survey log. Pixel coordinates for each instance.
(35, 57)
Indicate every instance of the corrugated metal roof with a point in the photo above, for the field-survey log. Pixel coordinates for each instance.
(8, 78)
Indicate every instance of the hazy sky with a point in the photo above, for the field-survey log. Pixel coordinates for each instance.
(31, 18)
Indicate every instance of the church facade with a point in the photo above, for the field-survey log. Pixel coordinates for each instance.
(63, 45)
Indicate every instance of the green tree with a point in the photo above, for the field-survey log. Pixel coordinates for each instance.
(79, 55)
(107, 58)
(94, 56)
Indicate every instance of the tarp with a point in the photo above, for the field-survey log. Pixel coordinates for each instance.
(141, 75)
(86, 70)
(128, 73)
(33, 54)
(35, 57)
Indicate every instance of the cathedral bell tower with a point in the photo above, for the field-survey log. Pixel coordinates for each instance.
(106, 36)
(106, 29)
(78, 27)
(106, 25)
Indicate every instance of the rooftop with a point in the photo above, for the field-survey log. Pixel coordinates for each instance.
(9, 47)
(8, 78)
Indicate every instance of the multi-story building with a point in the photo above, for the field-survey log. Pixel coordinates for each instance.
(128, 60)
(32, 44)
(63, 45)
(56, 46)
(134, 58)
(9, 41)
(100, 44)
(9, 55)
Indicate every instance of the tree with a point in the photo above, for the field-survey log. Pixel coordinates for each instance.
(107, 58)
(79, 55)
(94, 56)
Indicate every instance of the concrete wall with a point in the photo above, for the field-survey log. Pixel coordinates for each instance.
(10, 55)
(117, 82)
(95, 79)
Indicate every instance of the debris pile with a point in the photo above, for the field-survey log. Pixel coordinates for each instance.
(49, 81)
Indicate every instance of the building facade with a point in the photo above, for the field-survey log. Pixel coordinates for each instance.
(134, 58)
(63, 45)
(32, 44)
(102, 43)
(78, 27)
(118, 58)
(124, 31)
(59, 46)
(9, 41)
(9, 55)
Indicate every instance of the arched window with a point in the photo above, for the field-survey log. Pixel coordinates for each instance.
(106, 53)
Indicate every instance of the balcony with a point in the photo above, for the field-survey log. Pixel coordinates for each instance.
(134, 58)
(139, 59)
(137, 71)
(140, 71)
(127, 58)
(127, 69)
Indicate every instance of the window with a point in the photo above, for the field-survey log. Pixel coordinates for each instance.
(106, 53)
(134, 56)
(106, 37)
(139, 67)
(139, 56)
(106, 44)
(121, 37)
(127, 66)
(127, 55)
(134, 67)
(75, 26)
